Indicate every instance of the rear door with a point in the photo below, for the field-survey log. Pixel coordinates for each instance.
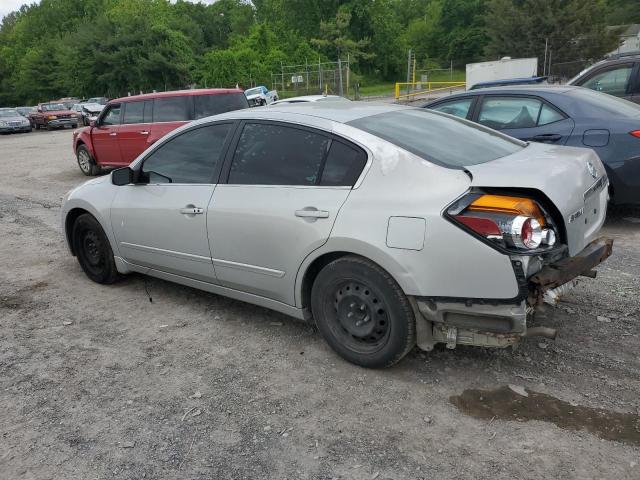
(525, 117)
(285, 187)
(105, 136)
(169, 113)
(162, 224)
(135, 129)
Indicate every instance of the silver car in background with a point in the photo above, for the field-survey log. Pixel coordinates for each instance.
(11, 121)
(385, 225)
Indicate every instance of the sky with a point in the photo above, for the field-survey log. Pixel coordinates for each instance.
(7, 6)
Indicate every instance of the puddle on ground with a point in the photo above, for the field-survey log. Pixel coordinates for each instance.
(505, 404)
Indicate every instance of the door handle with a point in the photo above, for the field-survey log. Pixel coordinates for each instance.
(144, 132)
(312, 212)
(113, 134)
(547, 137)
(192, 211)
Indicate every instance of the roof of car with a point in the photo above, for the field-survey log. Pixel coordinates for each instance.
(511, 89)
(176, 93)
(341, 112)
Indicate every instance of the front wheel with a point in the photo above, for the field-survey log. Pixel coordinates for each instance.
(92, 248)
(362, 312)
(86, 162)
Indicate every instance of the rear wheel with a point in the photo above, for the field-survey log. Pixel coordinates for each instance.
(49, 127)
(362, 312)
(93, 250)
(86, 162)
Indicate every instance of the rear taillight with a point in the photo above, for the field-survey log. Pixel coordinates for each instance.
(635, 133)
(514, 223)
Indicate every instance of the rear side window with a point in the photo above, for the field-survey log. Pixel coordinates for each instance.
(343, 165)
(459, 108)
(207, 105)
(272, 154)
(443, 140)
(188, 158)
(133, 112)
(171, 109)
(503, 113)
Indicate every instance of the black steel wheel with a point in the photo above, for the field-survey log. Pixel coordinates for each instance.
(92, 248)
(362, 312)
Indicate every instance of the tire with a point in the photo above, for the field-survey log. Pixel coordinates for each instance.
(75, 125)
(37, 125)
(93, 250)
(49, 127)
(362, 313)
(86, 162)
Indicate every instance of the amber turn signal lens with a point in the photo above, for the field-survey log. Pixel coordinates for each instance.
(509, 205)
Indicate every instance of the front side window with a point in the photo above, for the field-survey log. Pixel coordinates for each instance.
(207, 105)
(459, 108)
(133, 112)
(191, 157)
(171, 109)
(112, 117)
(613, 81)
(272, 154)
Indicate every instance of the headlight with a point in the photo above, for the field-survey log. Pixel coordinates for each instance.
(25, 121)
(3, 123)
(52, 117)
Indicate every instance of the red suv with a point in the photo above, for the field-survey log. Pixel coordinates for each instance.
(127, 126)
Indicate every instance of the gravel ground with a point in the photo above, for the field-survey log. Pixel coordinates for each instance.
(96, 382)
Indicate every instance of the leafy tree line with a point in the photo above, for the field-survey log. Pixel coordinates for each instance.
(114, 47)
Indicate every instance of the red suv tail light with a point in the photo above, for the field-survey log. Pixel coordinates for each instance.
(512, 223)
(635, 133)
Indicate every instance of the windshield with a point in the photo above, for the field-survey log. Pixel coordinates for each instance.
(618, 107)
(254, 91)
(439, 138)
(9, 112)
(50, 107)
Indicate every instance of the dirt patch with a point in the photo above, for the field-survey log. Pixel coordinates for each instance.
(522, 405)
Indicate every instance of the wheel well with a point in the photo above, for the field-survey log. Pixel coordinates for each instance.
(312, 272)
(71, 218)
(78, 145)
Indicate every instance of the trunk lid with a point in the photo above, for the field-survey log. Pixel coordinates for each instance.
(574, 179)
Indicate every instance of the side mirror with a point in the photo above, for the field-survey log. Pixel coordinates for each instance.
(122, 176)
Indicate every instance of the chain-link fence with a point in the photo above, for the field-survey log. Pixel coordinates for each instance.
(562, 72)
(313, 78)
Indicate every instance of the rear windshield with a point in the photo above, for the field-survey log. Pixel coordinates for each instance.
(618, 107)
(439, 138)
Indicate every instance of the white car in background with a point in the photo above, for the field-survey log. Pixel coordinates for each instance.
(312, 98)
(259, 96)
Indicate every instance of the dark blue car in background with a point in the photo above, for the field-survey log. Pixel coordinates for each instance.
(562, 115)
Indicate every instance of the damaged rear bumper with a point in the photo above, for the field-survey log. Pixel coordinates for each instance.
(495, 323)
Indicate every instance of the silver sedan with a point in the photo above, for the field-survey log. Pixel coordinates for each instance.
(387, 226)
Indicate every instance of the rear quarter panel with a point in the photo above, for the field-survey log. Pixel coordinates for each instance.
(451, 263)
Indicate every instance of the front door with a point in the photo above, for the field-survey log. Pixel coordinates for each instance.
(285, 188)
(135, 129)
(526, 118)
(162, 222)
(105, 137)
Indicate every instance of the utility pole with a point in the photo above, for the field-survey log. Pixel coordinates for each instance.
(544, 67)
(340, 75)
(409, 70)
(348, 68)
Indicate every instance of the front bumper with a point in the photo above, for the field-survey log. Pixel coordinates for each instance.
(20, 128)
(62, 122)
(494, 323)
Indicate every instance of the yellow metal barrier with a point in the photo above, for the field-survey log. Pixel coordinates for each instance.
(417, 88)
